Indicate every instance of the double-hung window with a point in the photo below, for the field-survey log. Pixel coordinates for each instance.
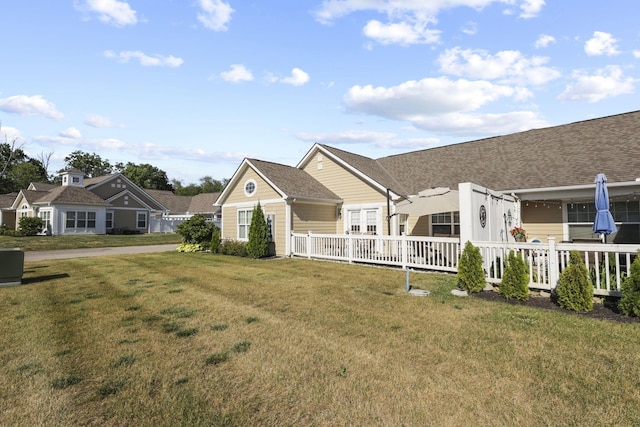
(109, 220)
(445, 223)
(80, 219)
(141, 220)
(244, 222)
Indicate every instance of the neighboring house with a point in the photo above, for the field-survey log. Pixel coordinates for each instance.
(7, 214)
(106, 204)
(179, 207)
(551, 171)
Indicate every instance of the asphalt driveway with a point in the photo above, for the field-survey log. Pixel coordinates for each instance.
(93, 252)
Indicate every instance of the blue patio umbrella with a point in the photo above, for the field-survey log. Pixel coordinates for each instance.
(603, 223)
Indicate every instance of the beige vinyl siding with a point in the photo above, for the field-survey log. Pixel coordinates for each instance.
(542, 221)
(263, 190)
(319, 219)
(419, 225)
(280, 229)
(350, 188)
(229, 223)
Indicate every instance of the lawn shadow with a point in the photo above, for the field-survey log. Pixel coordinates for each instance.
(32, 280)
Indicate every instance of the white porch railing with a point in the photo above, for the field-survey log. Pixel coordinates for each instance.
(607, 264)
(432, 253)
(166, 224)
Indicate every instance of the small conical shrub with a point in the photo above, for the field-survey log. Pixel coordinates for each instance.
(574, 290)
(515, 281)
(470, 273)
(258, 245)
(215, 240)
(629, 304)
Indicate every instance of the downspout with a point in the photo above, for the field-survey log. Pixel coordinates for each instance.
(388, 214)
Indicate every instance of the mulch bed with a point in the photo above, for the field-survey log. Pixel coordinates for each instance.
(606, 311)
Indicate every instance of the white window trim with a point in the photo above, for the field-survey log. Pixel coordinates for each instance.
(248, 213)
(146, 219)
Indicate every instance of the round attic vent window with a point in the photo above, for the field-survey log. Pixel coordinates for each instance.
(250, 188)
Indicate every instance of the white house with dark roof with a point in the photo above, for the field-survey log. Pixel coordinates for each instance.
(551, 171)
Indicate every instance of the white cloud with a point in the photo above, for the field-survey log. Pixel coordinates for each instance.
(463, 124)
(30, 106)
(429, 96)
(297, 78)
(531, 8)
(442, 104)
(145, 60)
(408, 20)
(113, 12)
(636, 53)
(9, 134)
(543, 41)
(601, 44)
(71, 132)
(237, 73)
(215, 14)
(506, 66)
(606, 82)
(470, 28)
(377, 139)
(402, 33)
(98, 121)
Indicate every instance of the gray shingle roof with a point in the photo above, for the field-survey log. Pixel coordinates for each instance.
(294, 182)
(70, 195)
(87, 182)
(177, 205)
(32, 195)
(562, 155)
(6, 200)
(42, 186)
(203, 203)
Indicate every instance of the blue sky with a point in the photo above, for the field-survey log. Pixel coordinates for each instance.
(195, 86)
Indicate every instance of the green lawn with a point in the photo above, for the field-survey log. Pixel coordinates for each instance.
(45, 243)
(198, 339)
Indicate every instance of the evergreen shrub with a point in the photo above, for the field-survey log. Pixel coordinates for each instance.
(575, 291)
(629, 304)
(515, 281)
(234, 248)
(30, 225)
(196, 230)
(258, 245)
(215, 240)
(470, 273)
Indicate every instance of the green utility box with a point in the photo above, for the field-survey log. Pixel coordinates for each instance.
(11, 266)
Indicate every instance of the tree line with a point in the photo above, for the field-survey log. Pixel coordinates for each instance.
(18, 170)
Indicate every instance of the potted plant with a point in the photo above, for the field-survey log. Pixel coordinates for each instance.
(520, 234)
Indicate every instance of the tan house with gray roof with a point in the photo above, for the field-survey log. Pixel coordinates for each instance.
(550, 170)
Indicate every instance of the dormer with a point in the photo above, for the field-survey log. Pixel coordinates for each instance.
(72, 177)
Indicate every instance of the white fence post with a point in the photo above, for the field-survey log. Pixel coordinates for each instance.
(404, 251)
(350, 248)
(554, 270)
(309, 244)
